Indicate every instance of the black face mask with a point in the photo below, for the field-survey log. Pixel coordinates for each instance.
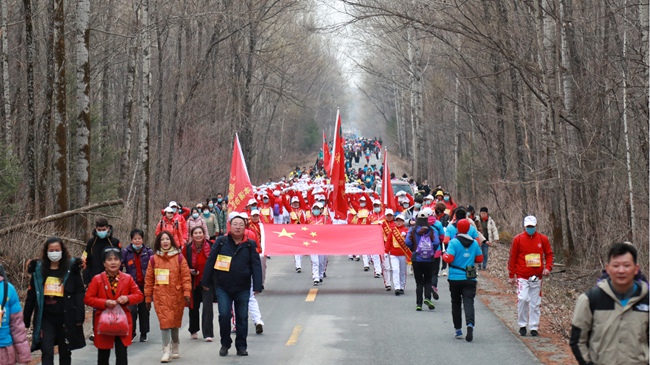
(423, 222)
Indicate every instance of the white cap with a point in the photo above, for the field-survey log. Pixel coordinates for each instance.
(376, 202)
(389, 212)
(428, 211)
(243, 215)
(362, 198)
(276, 192)
(429, 197)
(169, 210)
(400, 216)
(234, 215)
(530, 221)
(401, 193)
(295, 199)
(251, 202)
(265, 195)
(254, 212)
(317, 204)
(173, 204)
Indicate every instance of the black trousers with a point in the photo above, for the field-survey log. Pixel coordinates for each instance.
(422, 272)
(463, 293)
(54, 335)
(436, 270)
(120, 354)
(202, 298)
(140, 311)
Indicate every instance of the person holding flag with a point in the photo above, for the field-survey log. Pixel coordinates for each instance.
(398, 252)
(296, 216)
(318, 262)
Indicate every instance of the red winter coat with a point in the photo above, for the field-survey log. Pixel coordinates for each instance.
(176, 226)
(96, 297)
(523, 245)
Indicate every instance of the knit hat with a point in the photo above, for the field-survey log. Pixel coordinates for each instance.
(483, 209)
(463, 226)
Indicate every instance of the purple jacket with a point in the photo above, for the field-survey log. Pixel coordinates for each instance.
(128, 257)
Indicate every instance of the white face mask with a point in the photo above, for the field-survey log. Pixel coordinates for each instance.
(55, 256)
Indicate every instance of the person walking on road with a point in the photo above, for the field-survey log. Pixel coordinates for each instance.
(135, 259)
(168, 285)
(232, 265)
(462, 255)
(197, 253)
(531, 258)
(423, 240)
(488, 228)
(610, 321)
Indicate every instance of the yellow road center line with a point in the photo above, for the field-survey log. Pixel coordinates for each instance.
(312, 295)
(294, 336)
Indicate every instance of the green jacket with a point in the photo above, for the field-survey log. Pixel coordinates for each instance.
(604, 332)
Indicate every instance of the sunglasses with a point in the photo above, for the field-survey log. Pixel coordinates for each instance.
(112, 249)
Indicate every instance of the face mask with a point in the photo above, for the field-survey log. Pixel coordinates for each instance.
(362, 204)
(266, 200)
(446, 198)
(418, 205)
(195, 215)
(137, 248)
(211, 205)
(55, 256)
(376, 209)
(102, 234)
(405, 205)
(531, 230)
(316, 211)
(206, 213)
(219, 200)
(175, 210)
(253, 207)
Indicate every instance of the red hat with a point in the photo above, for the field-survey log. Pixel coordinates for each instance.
(463, 226)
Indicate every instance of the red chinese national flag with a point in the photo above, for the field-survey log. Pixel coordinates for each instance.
(240, 189)
(307, 239)
(339, 203)
(387, 196)
(327, 157)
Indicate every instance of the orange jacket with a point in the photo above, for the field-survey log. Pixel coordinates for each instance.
(168, 299)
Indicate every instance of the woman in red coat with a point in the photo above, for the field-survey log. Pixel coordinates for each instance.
(108, 290)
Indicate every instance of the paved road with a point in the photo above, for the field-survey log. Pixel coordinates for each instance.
(351, 320)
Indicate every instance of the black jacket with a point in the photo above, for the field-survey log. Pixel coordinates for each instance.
(94, 253)
(244, 265)
(74, 311)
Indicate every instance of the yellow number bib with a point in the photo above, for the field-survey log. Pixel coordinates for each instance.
(395, 243)
(53, 287)
(533, 260)
(223, 263)
(162, 276)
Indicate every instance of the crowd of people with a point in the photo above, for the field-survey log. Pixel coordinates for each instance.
(203, 254)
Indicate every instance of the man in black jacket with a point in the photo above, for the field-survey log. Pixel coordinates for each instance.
(102, 237)
(232, 264)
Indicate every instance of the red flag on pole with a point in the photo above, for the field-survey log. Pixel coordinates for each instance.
(339, 203)
(387, 196)
(240, 189)
(307, 239)
(327, 157)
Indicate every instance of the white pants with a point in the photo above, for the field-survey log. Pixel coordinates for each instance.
(376, 263)
(318, 266)
(298, 259)
(396, 267)
(254, 309)
(263, 262)
(528, 301)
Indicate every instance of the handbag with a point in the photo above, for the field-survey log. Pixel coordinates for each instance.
(113, 322)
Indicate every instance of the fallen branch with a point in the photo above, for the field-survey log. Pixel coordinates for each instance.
(62, 215)
(65, 239)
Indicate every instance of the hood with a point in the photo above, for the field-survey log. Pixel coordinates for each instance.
(465, 240)
(640, 293)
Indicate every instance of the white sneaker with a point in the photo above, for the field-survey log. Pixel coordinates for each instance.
(208, 339)
(195, 335)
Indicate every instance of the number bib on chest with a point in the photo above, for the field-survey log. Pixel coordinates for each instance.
(53, 287)
(533, 260)
(223, 263)
(395, 243)
(162, 276)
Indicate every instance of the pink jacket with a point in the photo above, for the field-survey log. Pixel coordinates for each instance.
(198, 222)
(19, 352)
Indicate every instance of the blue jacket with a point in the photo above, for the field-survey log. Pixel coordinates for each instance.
(412, 233)
(465, 251)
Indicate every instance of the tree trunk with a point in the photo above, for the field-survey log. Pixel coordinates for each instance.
(127, 122)
(145, 113)
(31, 118)
(177, 84)
(45, 178)
(159, 97)
(60, 172)
(82, 183)
(415, 97)
(107, 105)
(628, 164)
(9, 132)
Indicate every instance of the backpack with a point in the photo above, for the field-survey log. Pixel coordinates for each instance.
(424, 248)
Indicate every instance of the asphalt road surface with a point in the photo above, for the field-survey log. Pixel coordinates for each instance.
(349, 319)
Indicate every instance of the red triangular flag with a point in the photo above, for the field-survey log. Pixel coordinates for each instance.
(327, 157)
(339, 203)
(240, 189)
(387, 196)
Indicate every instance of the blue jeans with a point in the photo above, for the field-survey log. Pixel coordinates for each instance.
(484, 248)
(225, 300)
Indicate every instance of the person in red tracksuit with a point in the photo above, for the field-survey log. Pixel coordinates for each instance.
(318, 262)
(531, 258)
(396, 254)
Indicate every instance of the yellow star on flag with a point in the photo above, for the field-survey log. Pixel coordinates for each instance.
(306, 243)
(313, 234)
(304, 228)
(284, 233)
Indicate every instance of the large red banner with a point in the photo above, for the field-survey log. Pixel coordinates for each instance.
(307, 239)
(240, 189)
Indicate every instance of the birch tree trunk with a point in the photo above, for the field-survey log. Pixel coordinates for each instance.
(9, 132)
(628, 163)
(127, 123)
(145, 113)
(416, 97)
(60, 172)
(31, 118)
(106, 120)
(82, 168)
(174, 121)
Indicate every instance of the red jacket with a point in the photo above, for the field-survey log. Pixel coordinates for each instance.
(529, 255)
(96, 297)
(196, 259)
(176, 226)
